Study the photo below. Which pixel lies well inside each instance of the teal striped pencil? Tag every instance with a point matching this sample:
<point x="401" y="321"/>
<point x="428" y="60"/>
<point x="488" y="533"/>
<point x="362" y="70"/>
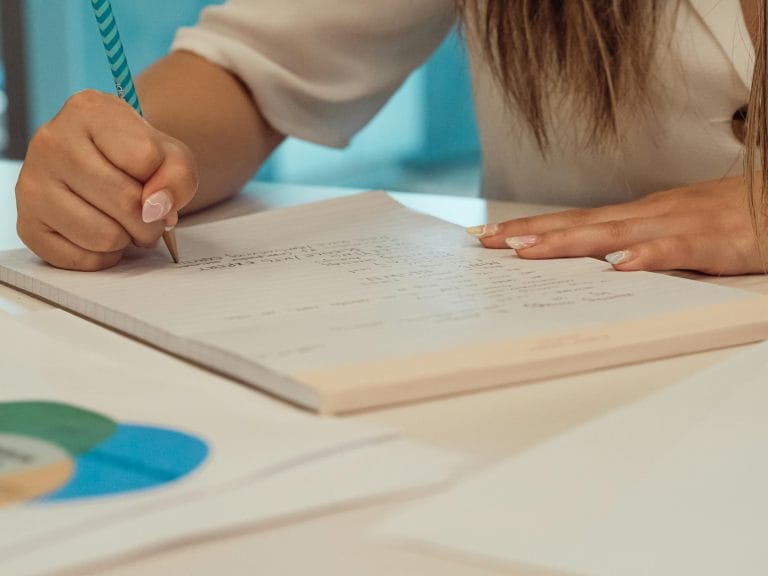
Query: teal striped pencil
<point x="121" y="74"/>
<point x="118" y="63"/>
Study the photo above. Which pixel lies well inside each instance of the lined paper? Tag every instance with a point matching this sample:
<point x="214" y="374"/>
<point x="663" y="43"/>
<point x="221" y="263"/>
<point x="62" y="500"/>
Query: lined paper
<point x="344" y="282"/>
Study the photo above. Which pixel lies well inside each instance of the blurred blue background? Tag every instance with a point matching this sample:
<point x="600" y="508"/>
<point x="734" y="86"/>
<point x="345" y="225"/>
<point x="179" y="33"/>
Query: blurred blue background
<point x="423" y="140"/>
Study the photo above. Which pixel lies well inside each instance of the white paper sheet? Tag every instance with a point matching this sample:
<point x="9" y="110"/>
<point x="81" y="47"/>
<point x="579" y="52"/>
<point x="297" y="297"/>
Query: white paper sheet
<point x="270" y="461"/>
<point x="248" y="435"/>
<point x="674" y="484"/>
<point x="353" y="477"/>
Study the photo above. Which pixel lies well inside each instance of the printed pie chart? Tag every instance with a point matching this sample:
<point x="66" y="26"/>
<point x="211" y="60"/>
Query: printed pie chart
<point x="54" y="452"/>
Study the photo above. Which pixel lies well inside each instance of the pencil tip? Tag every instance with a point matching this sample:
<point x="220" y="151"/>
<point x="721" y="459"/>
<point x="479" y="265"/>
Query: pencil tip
<point x="169" y="238"/>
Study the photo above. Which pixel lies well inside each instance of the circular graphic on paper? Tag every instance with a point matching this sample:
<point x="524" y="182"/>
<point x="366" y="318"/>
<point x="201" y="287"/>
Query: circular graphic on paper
<point x="52" y="452"/>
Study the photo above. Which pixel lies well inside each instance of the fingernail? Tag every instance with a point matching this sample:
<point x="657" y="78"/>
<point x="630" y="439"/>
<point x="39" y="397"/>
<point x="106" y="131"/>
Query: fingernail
<point x="156" y="207"/>
<point x="618" y="257"/>
<point x="483" y="231"/>
<point x="520" y="242"/>
<point x="171" y="221"/>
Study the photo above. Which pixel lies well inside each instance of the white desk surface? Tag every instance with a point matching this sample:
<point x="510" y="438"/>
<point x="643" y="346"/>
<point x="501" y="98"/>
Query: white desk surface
<point x="491" y="424"/>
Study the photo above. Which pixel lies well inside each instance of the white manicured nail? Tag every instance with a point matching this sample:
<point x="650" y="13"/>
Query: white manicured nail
<point x="618" y="257"/>
<point x="483" y="231"/>
<point x="156" y="207"/>
<point x="171" y="221"/>
<point x="520" y="242"/>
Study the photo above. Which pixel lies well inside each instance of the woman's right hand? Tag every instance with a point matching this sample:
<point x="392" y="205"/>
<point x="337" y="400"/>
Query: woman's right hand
<point x="97" y="178"/>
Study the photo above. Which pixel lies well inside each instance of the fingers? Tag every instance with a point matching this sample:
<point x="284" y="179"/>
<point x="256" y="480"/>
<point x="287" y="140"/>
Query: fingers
<point x="62" y="253"/>
<point x="104" y="187"/>
<point x="82" y="224"/>
<point x="681" y="253"/>
<point x="171" y="187"/>
<point x="495" y="235"/>
<point x="706" y="227"/>
<point x="126" y="140"/>
<point x="642" y="244"/>
<point x="594" y="240"/>
<point x="140" y="152"/>
<point x="97" y="178"/>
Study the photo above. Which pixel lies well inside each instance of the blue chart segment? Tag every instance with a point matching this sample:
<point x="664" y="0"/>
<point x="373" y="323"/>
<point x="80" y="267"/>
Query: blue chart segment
<point x="53" y="452"/>
<point x="135" y="458"/>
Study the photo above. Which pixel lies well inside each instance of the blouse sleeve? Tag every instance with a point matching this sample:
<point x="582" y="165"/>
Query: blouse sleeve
<point x="319" y="70"/>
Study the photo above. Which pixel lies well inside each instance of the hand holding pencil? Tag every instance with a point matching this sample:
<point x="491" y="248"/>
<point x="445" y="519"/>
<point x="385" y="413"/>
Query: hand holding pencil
<point x="98" y="178"/>
<point x="160" y="204"/>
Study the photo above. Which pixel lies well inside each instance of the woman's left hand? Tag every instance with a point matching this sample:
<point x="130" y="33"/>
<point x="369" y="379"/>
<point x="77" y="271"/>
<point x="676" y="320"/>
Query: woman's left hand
<point x="706" y="227"/>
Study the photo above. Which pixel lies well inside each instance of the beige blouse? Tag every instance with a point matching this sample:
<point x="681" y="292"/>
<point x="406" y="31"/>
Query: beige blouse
<point x="320" y="69"/>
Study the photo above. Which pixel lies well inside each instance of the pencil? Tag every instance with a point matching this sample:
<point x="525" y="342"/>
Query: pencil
<point x="121" y="74"/>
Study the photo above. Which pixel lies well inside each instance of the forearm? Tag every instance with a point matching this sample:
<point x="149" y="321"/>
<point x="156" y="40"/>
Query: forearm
<point x="208" y="109"/>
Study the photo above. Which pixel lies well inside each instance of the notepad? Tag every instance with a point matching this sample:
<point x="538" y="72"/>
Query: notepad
<point x="360" y="302"/>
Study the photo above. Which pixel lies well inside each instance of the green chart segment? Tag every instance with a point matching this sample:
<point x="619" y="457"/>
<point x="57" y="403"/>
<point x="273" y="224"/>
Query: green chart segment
<point x="51" y="452"/>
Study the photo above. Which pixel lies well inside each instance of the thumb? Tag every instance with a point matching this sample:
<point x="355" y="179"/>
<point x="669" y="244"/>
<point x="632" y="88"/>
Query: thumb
<point x="171" y="187"/>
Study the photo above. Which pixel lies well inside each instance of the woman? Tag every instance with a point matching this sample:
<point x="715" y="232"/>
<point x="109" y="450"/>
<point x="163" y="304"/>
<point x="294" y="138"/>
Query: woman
<point x="624" y="104"/>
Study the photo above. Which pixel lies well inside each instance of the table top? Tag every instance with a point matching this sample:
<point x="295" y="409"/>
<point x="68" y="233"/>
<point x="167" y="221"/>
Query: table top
<point x="490" y="424"/>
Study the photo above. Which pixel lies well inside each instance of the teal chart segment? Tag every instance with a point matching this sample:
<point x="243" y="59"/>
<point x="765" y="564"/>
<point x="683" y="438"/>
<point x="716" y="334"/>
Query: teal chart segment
<point x="134" y="458"/>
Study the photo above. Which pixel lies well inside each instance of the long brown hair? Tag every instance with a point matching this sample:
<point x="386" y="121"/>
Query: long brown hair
<point x="601" y="53"/>
<point x="756" y="155"/>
